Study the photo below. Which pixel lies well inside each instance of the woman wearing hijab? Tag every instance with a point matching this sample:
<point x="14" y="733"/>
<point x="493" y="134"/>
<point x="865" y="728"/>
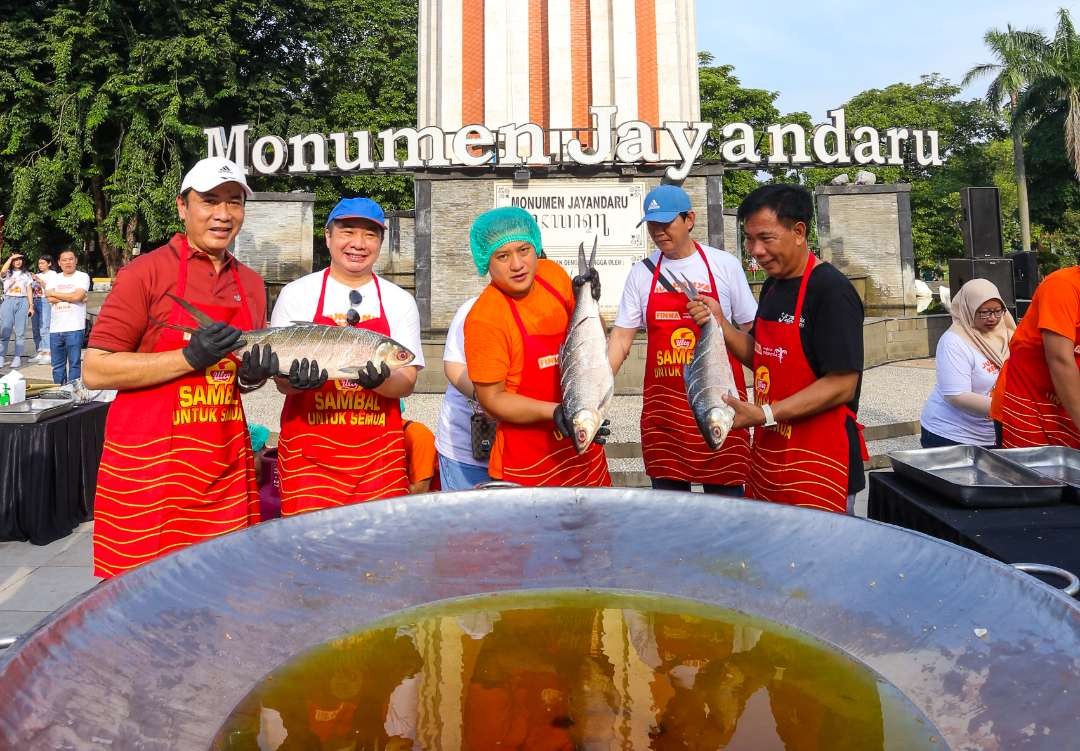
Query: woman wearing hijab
<point x="969" y="357"/>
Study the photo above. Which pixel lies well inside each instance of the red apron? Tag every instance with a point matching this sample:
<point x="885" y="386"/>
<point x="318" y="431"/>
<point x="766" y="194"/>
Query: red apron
<point x="802" y="463"/>
<point x="1031" y="413"/>
<point x="340" y="443"/>
<point x="671" y="442"/>
<point x="536" y="454"/>
<point x="177" y="466"/>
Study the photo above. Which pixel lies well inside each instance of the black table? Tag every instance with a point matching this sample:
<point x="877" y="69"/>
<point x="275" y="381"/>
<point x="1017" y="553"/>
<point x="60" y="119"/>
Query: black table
<point x="48" y="473"/>
<point x="1035" y="534"/>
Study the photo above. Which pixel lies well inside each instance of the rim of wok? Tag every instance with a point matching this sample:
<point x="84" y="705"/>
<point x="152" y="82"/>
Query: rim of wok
<point x="159" y="657"/>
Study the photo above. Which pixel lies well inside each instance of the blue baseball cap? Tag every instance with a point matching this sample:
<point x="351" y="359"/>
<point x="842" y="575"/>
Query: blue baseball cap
<point x="664" y="203"/>
<point x="357" y="208"/>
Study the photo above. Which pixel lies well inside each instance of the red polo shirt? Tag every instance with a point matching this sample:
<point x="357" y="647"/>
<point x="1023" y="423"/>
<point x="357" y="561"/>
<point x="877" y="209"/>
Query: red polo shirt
<point x="138" y="295"/>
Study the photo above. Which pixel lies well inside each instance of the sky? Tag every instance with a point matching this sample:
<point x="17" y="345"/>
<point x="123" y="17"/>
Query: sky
<point x="820" y="54"/>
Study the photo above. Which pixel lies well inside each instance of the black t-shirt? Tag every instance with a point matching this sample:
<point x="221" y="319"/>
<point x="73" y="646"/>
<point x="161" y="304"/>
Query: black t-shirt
<point x="831" y="333"/>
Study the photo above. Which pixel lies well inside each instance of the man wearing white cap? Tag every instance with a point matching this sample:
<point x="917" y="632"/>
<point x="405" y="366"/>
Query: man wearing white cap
<point x="177" y="466"/>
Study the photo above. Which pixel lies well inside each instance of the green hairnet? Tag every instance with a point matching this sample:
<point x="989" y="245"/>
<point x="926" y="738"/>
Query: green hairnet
<point x="494" y="229"/>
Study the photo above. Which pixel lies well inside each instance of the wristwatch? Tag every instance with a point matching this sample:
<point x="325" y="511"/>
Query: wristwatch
<point x="769" y="419"/>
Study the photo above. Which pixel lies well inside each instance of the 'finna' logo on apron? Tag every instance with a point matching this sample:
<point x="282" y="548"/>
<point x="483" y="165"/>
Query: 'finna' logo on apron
<point x="667" y="315"/>
<point x="221" y="372"/>
<point x="549" y="361"/>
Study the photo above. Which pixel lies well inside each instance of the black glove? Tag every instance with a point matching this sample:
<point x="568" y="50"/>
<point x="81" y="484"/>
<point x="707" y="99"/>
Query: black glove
<point x="304" y="375"/>
<point x="211" y="343"/>
<point x="564" y="426"/>
<point x="593" y="278"/>
<point x="371" y="378"/>
<point x="257" y="365"/>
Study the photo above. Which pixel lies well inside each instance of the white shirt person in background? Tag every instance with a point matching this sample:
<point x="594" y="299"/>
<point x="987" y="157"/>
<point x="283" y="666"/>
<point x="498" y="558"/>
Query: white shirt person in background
<point x="66" y="293"/>
<point x="969" y="357"/>
<point x="42" y="309"/>
<point x="458" y="467"/>
<point x="16" y="307"/>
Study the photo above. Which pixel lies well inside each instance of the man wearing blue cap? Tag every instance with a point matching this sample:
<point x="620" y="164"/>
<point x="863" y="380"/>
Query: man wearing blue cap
<point x="341" y="441"/>
<point x="674" y="451"/>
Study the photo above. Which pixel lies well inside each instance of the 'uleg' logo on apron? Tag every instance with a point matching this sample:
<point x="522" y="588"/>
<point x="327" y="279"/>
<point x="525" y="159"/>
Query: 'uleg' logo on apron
<point x="762" y="383"/>
<point x="347" y="384"/>
<point x="221" y="372"/>
<point x="683" y="338"/>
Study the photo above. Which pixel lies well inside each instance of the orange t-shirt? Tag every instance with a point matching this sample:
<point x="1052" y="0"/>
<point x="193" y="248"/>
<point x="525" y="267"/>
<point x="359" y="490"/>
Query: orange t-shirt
<point x="494" y="349"/>
<point x="421" y="462"/>
<point x="1055" y="307"/>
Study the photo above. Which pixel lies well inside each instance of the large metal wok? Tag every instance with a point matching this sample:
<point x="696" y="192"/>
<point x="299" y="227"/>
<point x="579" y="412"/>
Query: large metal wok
<point x="157" y="659"/>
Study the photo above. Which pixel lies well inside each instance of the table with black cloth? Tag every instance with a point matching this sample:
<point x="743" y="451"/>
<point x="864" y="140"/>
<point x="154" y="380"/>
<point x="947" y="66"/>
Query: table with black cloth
<point x="1030" y="534"/>
<point x="48" y="473"/>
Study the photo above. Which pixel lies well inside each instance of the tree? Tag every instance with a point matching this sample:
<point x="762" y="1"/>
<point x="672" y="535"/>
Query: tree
<point x="96" y="134"/>
<point x="1018" y="55"/>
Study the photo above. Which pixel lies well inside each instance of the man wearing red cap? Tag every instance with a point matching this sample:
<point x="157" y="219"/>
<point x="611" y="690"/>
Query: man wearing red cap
<point x="342" y="441"/>
<point x="177" y="467"/>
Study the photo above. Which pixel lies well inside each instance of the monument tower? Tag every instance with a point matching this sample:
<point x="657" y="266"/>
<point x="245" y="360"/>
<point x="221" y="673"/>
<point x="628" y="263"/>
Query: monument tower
<point x="501" y="62"/>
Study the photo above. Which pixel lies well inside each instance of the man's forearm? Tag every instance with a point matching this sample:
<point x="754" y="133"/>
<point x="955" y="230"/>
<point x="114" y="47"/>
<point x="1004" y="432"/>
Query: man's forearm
<point x="513" y="408"/>
<point x="400" y="383"/>
<point x="1066" y="379"/>
<point x="76" y="296"/>
<point x="825" y="393"/>
<point x="132" y="370"/>
<point x="620" y="341"/>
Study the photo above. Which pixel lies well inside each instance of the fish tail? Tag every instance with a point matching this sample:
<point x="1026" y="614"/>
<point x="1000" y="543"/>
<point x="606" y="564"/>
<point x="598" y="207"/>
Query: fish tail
<point x="198" y="315"/>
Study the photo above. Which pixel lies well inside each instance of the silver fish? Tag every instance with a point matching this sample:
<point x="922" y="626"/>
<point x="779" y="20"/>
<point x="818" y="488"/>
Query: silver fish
<point x="585" y="373"/>
<point x="341" y="350"/>
<point x="708" y="377"/>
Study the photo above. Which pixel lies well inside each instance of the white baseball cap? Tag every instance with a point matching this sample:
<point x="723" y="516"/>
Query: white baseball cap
<point x="211" y="172"/>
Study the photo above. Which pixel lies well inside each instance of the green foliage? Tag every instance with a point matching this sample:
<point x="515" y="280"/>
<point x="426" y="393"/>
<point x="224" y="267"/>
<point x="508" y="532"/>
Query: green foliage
<point x="96" y="133"/>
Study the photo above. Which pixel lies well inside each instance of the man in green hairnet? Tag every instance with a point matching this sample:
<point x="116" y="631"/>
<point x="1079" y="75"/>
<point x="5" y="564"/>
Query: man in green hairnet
<point x="512" y="338"/>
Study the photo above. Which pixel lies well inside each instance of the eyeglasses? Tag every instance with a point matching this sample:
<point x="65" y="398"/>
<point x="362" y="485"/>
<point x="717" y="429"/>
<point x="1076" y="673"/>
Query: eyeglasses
<point x="353" y="316"/>
<point x="986" y="315"/>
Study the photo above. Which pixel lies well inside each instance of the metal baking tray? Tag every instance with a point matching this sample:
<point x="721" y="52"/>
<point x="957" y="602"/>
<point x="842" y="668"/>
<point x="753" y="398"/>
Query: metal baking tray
<point x="1056" y="462"/>
<point x="977" y="478"/>
<point x="34" y="410"/>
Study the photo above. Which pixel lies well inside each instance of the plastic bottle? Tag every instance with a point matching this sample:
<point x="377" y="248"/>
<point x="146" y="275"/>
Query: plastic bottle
<point x="5" y="397"/>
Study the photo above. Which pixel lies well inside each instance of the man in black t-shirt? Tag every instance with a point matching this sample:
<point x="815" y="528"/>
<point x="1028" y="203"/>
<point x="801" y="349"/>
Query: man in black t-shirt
<point x="807" y="372"/>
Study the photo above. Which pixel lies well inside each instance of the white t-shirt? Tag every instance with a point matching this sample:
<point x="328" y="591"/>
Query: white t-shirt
<point x="67" y="316"/>
<point x="298" y="301"/>
<point x="16" y="283"/>
<point x="44" y="276"/>
<point x="961" y="369"/>
<point x="736" y="299"/>
<point x="453" y="434"/>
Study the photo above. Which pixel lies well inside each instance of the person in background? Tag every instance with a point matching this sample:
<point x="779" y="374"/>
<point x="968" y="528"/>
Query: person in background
<point x="675" y="453"/>
<point x="421" y="460"/>
<point x="459" y="469"/>
<point x="806" y="352"/>
<point x="512" y="339"/>
<point x="42" y="309"/>
<point x="66" y="293"/>
<point x="16" y="307"/>
<point x="969" y="357"/>
<point x="1037" y="397"/>
<point x="341" y="440"/>
<point x="177" y="466"/>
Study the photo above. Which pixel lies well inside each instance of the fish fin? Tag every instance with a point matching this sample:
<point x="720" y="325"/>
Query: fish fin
<point x="352" y="371"/>
<point x="582" y="267"/>
<point x="303" y="323"/>
<point x="688" y="288"/>
<point x="167" y="325"/>
<point x="592" y="256"/>
<point x="198" y="315"/>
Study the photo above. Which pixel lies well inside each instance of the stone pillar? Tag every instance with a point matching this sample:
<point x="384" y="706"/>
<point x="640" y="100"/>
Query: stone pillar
<point x="276" y="239"/>
<point x="865" y="230"/>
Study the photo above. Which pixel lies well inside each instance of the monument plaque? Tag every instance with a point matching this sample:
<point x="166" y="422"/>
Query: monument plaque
<point x="570" y="213"/>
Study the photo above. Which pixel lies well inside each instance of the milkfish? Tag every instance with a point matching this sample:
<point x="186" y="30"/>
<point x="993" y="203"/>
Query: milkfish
<point x="585" y="373"/>
<point x="707" y="378"/>
<point x="341" y="350"/>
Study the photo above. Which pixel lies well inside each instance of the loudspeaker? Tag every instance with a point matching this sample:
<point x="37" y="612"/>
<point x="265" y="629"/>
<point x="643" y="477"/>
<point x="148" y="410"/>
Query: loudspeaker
<point x="1025" y="273"/>
<point x="997" y="270"/>
<point x="980" y="222"/>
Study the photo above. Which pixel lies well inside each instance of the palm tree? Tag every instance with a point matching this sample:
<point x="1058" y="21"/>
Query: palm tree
<point x="1019" y="56"/>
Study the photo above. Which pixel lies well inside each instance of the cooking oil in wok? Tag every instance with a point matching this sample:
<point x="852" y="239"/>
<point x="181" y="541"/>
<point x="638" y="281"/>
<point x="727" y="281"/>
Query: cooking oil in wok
<point x="565" y="670"/>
